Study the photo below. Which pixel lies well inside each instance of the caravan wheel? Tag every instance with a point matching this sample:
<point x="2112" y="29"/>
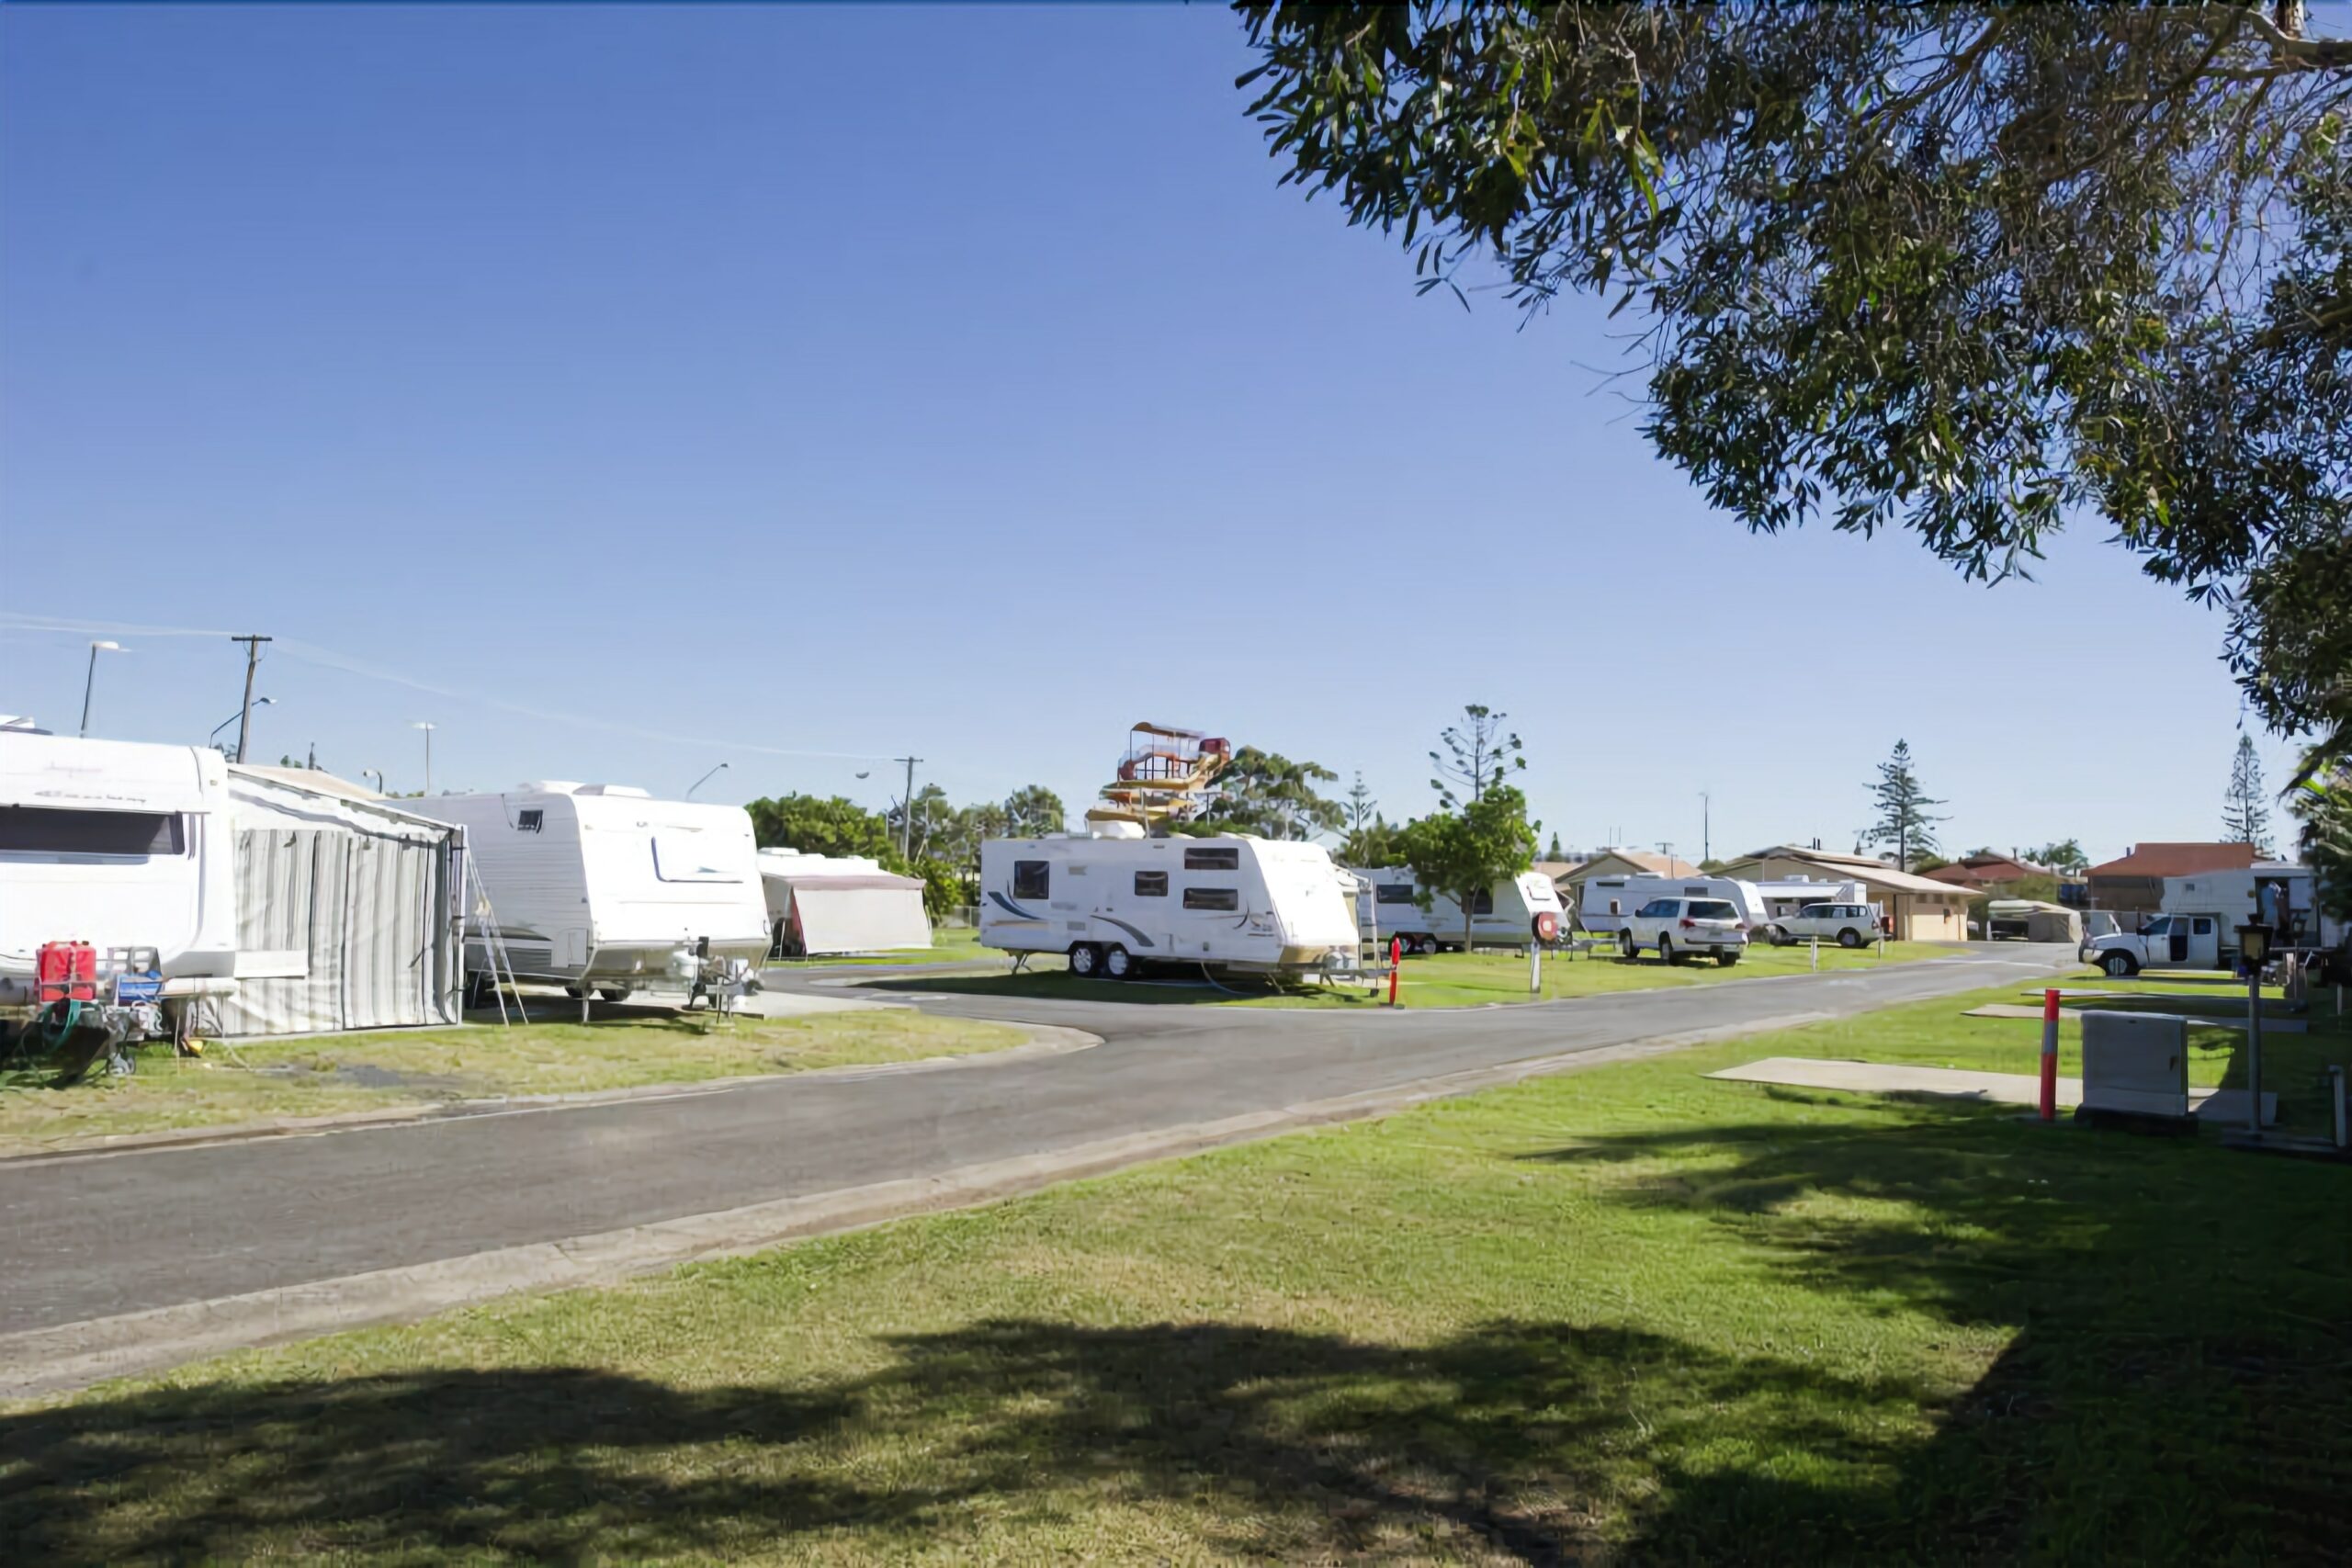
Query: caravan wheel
<point x="1084" y="959"/>
<point x="1118" y="964"/>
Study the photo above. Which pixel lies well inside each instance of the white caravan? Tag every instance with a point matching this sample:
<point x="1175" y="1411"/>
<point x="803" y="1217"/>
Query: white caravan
<point x="274" y="900"/>
<point x="1506" y="915"/>
<point x="1116" y="902"/>
<point x="115" y="844"/>
<point x="601" y="887"/>
<point x="830" y="904"/>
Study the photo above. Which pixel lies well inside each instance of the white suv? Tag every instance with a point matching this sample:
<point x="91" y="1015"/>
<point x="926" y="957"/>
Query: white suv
<point x="1678" y="928"/>
<point x="1847" y="925"/>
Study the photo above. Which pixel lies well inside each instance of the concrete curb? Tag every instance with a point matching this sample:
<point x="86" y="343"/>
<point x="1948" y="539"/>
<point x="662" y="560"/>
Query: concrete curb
<point x="70" y="1356"/>
<point x="1046" y="1040"/>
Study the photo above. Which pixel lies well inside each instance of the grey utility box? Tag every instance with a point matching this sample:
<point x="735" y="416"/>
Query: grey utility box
<point x="2135" y="1063"/>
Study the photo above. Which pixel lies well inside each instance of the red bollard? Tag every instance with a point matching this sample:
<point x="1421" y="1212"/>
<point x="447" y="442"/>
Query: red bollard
<point x="2050" y="1056"/>
<point x="1395" y="963"/>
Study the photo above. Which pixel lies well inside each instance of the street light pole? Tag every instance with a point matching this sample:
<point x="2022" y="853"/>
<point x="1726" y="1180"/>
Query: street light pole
<point x="91" y="679"/>
<point x="253" y="641"/>
<point x="427" y="727"/>
<point x="239" y="716"/>
<point x="1706" y="827"/>
<point x="704" y="780"/>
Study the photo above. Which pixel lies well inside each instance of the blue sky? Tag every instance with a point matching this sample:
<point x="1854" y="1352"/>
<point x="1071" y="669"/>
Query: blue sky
<point x="631" y="392"/>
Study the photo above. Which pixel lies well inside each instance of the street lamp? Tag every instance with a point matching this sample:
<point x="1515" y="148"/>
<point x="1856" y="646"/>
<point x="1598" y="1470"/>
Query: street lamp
<point x="258" y="702"/>
<point x="704" y="780"/>
<point x="2254" y="952"/>
<point x="90" y="680"/>
<point x="426" y="725"/>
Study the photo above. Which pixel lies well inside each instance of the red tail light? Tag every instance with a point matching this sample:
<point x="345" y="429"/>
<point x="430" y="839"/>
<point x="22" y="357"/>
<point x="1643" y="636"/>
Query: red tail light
<point x="1689" y="924"/>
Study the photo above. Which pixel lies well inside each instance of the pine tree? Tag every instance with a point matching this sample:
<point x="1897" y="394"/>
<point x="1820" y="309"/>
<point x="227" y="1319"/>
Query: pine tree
<point x="1362" y="807"/>
<point x="2246" y="816"/>
<point x="1554" y="853"/>
<point x="1904" y="821"/>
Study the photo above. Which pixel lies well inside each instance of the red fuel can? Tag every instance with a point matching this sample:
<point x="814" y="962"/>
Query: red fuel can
<point x="67" y="971"/>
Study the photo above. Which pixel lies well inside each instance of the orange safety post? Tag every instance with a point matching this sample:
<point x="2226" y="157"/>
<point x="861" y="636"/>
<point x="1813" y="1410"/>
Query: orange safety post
<point x="1395" y="963"/>
<point x="2050" y="1056"/>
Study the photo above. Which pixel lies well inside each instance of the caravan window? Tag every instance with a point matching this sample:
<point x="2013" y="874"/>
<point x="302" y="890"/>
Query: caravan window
<point x="1215" y="857"/>
<point x="1032" y="879"/>
<point x="42" y="830"/>
<point x="528" y="820"/>
<point x="1151" y="885"/>
<point x="683" y="857"/>
<point x="1394" y="893"/>
<point x="1212" y="898"/>
<point x="1483" y="901"/>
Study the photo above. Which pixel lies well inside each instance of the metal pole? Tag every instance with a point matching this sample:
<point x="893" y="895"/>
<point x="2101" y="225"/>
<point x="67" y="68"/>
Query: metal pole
<point x="88" y="681"/>
<point x="2050" y="1056"/>
<point x="2253" y="1049"/>
<point x="253" y="641"/>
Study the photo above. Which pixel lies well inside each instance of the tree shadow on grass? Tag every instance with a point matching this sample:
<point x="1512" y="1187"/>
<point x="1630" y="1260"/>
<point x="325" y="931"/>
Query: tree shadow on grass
<point x="1508" y="1443"/>
<point x="2177" y="1368"/>
<point x="2182" y="1359"/>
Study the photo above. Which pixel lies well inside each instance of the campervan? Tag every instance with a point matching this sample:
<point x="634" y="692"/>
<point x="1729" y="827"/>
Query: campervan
<point x="120" y="845"/>
<point x="1116" y="902"/>
<point x="601" y="887"/>
<point x="834" y="903"/>
<point x="1508" y="914"/>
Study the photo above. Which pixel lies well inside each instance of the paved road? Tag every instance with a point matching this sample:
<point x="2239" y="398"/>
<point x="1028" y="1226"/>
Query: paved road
<point x="83" y="1238"/>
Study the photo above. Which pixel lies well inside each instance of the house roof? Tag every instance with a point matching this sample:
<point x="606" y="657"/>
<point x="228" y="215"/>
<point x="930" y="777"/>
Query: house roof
<point x="1986" y="868"/>
<point x="1646" y="860"/>
<point x="1854" y="868"/>
<point x="1557" y="869"/>
<point x="2178" y="860"/>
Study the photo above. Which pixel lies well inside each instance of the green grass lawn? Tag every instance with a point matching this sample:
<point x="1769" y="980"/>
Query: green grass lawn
<point x="1632" y="1314"/>
<point x="256" y="1080"/>
<point x="1444" y="979"/>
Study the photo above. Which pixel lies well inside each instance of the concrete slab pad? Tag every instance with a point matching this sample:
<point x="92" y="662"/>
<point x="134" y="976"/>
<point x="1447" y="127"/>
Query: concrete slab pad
<point x="2197" y="1020"/>
<point x="1883" y="1078"/>
<point x="1998" y="1089"/>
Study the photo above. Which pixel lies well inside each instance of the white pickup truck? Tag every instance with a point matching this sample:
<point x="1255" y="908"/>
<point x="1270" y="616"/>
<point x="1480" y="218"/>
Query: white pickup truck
<point x="2169" y="941"/>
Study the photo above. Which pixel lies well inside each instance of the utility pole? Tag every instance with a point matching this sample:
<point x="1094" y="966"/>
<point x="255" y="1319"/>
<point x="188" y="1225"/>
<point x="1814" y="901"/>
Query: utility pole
<point x="1706" y="827"/>
<point x="253" y="641"/>
<point x="1665" y="848"/>
<point x="907" y="812"/>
